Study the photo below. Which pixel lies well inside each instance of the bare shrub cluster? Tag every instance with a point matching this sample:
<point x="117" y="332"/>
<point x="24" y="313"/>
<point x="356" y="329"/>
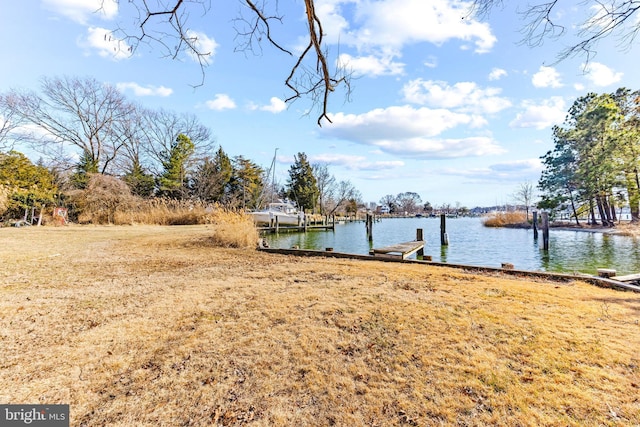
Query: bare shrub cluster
<point x="108" y="200"/>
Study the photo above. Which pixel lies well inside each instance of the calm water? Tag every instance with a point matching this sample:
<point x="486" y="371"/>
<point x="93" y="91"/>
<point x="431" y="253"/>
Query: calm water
<point x="472" y="243"/>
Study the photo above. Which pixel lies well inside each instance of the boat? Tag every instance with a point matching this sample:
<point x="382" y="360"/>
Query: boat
<point x="283" y="212"/>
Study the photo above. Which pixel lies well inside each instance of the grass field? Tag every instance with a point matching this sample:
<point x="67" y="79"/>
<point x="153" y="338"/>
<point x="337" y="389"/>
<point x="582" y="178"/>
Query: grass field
<point x="156" y="326"/>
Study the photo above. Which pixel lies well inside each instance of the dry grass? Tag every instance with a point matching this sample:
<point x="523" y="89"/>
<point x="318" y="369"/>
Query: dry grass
<point x="505" y="219"/>
<point x="153" y="326"/>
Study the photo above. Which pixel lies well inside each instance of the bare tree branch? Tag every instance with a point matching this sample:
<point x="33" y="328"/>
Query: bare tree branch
<point x="606" y="18"/>
<point x="159" y="22"/>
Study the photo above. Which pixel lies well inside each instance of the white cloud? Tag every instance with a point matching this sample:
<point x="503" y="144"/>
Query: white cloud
<point x="546" y="77"/>
<point x="601" y="75"/>
<point x="431" y="62"/>
<point x="221" y="102"/>
<point x="549" y="112"/>
<point x="462" y="96"/>
<point x="497" y="74"/>
<point x="107" y="46"/>
<point x="383" y="28"/>
<point x="377" y="166"/>
<point x="148" y="90"/>
<point x="333" y="23"/>
<point x="511" y="171"/>
<point x="275" y="106"/>
<point x="370" y="65"/>
<point x="408" y="131"/>
<point x="579" y="87"/>
<point x="203" y="44"/>
<point x="81" y="10"/>
<point x="442" y="148"/>
<point x="336" y="159"/>
<point x="396" y="23"/>
<point x="355" y="162"/>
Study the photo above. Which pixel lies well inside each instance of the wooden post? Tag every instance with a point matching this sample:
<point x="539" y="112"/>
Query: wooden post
<point x="277" y="224"/>
<point x="444" y="239"/>
<point x="419" y="237"/>
<point x="545" y="230"/>
<point x="369" y="225"/>
<point x="606" y="272"/>
<point x="535" y="225"/>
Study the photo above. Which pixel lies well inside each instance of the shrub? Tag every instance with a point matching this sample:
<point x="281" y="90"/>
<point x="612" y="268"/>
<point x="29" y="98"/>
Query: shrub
<point x="101" y="200"/>
<point x="234" y="229"/>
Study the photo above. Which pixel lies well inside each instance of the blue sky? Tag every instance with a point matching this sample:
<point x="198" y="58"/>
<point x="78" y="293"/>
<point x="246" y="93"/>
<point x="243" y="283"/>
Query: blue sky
<point x="456" y="110"/>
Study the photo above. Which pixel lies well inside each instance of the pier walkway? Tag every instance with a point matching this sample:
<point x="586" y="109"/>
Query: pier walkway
<point x="401" y="250"/>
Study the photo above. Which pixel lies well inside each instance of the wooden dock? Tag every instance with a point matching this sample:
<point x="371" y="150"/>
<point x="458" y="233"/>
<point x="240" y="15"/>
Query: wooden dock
<point x="294" y="228"/>
<point x="400" y="250"/>
<point x="629" y="278"/>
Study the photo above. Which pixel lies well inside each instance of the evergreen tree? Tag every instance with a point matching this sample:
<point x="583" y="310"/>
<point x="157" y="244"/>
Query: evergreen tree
<point x="139" y="181"/>
<point x="559" y="180"/>
<point x="595" y="157"/>
<point x="172" y="182"/>
<point x="26" y="185"/>
<point x="247" y="183"/>
<point x="629" y="104"/>
<point x="302" y="186"/>
<point x="213" y="177"/>
<point x="87" y="165"/>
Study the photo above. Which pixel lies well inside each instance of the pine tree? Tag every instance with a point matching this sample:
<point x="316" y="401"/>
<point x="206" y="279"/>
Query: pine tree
<point x="302" y="186"/>
<point x="213" y="177"/>
<point x="247" y="183"/>
<point x="87" y="165"/>
<point x="173" y="179"/>
<point x="140" y="182"/>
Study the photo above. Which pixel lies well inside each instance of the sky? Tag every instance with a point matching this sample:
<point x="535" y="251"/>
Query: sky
<point x="444" y="104"/>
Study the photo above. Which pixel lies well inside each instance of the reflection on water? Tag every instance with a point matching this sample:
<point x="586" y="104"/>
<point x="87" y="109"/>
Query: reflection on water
<point x="472" y="243"/>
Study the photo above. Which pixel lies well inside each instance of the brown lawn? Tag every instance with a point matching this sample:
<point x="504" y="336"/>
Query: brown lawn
<point x="154" y="326"/>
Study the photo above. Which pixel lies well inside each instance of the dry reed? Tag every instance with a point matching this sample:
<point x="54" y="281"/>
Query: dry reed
<point x="505" y="219"/>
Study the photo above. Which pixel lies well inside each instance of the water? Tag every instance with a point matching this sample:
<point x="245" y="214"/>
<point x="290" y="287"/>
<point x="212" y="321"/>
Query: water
<point x="473" y="244"/>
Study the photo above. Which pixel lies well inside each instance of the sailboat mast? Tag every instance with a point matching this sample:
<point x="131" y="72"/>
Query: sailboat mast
<point x="273" y="172"/>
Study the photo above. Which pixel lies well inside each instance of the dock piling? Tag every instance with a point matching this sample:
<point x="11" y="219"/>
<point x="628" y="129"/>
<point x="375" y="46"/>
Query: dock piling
<point x="444" y="239"/>
<point x="545" y="231"/>
<point x="420" y="237"/>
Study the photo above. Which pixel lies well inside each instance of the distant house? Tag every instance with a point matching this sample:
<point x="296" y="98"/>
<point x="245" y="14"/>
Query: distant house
<point x="383" y="209"/>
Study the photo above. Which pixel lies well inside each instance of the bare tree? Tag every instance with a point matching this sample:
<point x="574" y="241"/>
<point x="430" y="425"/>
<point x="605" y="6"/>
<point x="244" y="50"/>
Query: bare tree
<point x="9" y="123"/>
<point x="159" y="130"/>
<point x="326" y="185"/>
<point x="524" y="195"/>
<point x="408" y="202"/>
<point x="604" y="18"/>
<point x="390" y="201"/>
<point x="345" y="192"/>
<point x="166" y="24"/>
<point x="72" y="113"/>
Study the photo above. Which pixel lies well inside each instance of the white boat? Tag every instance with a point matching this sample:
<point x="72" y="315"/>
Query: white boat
<point x="285" y="212"/>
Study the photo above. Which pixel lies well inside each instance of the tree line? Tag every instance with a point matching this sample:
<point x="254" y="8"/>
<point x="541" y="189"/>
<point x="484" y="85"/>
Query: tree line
<point x="87" y="128"/>
<point x="593" y="167"/>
